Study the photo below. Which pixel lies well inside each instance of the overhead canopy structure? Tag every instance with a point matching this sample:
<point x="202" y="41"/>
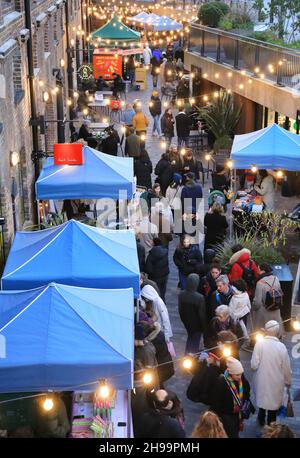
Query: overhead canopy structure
<point x="163" y="23"/>
<point x="141" y="17"/>
<point x="270" y="148"/>
<point x="73" y="254"/>
<point x="100" y="176"/>
<point x="116" y="30"/>
<point x="59" y="337"/>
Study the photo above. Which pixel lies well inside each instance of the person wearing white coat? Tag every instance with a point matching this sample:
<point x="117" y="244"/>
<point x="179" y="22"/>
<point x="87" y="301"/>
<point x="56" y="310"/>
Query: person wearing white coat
<point x="240" y="305"/>
<point x="148" y="293"/>
<point x="272" y="372"/>
<point x="266" y="190"/>
<point x="147" y="54"/>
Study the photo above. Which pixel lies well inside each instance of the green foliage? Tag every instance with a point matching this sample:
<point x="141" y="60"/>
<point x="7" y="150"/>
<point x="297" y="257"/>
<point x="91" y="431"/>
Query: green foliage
<point x="259" y="252"/>
<point x="211" y="13"/>
<point x="237" y="20"/>
<point x="224" y="142"/>
<point x="271" y="37"/>
<point x="221" y="117"/>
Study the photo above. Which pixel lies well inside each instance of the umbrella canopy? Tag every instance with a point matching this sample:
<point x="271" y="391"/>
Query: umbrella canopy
<point x="100" y="176"/>
<point x="270" y="148"/>
<point x="59" y="337"/>
<point x="73" y="254"/>
<point x="116" y="30"/>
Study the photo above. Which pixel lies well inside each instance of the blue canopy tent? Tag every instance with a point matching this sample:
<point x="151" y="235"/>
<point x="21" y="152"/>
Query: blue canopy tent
<point x="59" y="337"/>
<point x="164" y="23"/>
<point x="270" y="148"/>
<point x="141" y="17"/>
<point x="73" y="254"/>
<point x="100" y="176"/>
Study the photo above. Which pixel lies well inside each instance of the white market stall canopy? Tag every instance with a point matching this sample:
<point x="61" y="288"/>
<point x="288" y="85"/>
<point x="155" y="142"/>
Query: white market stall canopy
<point x="270" y="148"/>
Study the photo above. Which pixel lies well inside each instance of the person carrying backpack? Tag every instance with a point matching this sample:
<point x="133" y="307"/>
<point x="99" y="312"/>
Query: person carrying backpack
<point x="242" y="266"/>
<point x="268" y="298"/>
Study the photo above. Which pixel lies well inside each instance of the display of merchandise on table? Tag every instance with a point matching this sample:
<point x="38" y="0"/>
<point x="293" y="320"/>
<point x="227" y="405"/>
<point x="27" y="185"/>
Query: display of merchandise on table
<point x="97" y="418"/>
<point x="249" y="202"/>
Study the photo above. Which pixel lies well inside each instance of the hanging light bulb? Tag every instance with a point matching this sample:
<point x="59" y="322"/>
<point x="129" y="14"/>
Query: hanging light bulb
<point x="69" y="102"/>
<point x="216" y="95"/>
<point x="230" y="164"/>
<point x="166" y="104"/>
<point x="217" y="75"/>
<point x="104" y="390"/>
<point x="104" y="120"/>
<point x="279" y="174"/>
<point x="187" y="363"/>
<point x="205" y="75"/>
<point x="147" y="378"/>
<point x="296" y="324"/>
<point x="85" y="111"/>
<point x="41" y="83"/>
<point x="254" y="169"/>
<point x="183" y="151"/>
<point x="91" y="98"/>
<point x="205" y="98"/>
<point x="207" y="157"/>
<point x="259" y="337"/>
<point x="48" y="404"/>
<point x="192" y="101"/>
<point x="62" y="62"/>
<point x="143" y="137"/>
<point x="227" y="352"/>
<point x="163" y="145"/>
<point x="76" y="94"/>
<point x="241" y="86"/>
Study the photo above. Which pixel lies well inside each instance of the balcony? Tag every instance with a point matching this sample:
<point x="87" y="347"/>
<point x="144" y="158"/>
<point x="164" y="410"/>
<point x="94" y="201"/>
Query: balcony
<point x="273" y="63"/>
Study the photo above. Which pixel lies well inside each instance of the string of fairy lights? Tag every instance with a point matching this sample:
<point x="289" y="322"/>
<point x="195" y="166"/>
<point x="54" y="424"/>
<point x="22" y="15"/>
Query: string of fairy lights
<point x="148" y="375"/>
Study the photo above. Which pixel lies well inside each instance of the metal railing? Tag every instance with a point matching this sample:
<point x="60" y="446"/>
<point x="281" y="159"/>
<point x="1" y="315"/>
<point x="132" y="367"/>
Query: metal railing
<point x="272" y="62"/>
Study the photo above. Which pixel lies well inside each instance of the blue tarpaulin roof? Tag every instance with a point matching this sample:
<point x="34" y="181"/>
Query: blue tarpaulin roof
<point x="73" y="254"/>
<point x="59" y="337"/>
<point x="100" y="176"/>
<point x="270" y="148"/>
<point x="164" y="23"/>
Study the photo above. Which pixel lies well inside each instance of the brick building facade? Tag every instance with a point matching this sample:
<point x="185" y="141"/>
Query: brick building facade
<point x="48" y="18"/>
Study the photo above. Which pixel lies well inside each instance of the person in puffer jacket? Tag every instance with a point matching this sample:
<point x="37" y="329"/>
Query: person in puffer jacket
<point x="240" y="305"/>
<point x="157" y="266"/>
<point x="149" y="295"/>
<point x="239" y="261"/>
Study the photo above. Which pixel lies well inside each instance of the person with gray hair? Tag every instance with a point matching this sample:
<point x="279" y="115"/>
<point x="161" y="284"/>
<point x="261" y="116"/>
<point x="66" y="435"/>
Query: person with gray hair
<point x="222" y="296"/>
<point x="223" y="322"/>
<point x="272" y="372"/>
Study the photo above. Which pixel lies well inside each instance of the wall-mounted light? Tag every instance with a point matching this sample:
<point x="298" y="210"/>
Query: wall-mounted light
<point x="14" y="158"/>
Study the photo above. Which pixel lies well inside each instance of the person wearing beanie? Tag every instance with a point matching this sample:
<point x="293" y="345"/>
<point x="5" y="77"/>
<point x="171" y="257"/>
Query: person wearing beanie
<point x="231" y="391"/>
<point x="272" y="372"/>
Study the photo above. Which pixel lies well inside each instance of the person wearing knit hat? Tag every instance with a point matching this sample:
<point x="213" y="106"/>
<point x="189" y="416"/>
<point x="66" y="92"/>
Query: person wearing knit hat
<point x="272" y="372"/>
<point x="234" y="366"/>
<point x="230" y="393"/>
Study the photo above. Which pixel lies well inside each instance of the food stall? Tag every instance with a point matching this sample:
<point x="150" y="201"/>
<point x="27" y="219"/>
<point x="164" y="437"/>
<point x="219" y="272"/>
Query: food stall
<point x="83" y="340"/>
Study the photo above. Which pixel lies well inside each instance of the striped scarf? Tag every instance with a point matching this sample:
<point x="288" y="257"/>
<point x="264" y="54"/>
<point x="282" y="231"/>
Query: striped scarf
<point x="238" y="397"/>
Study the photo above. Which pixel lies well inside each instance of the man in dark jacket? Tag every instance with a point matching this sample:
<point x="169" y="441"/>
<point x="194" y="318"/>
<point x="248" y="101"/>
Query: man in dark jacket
<point x="164" y="172"/>
<point x="222" y="296"/>
<point x="155" y="111"/>
<point x="157" y="266"/>
<point x="191" y="196"/>
<point x="141" y="253"/>
<point x="110" y="144"/>
<point x="142" y="167"/>
<point x="84" y="132"/>
<point x="132" y="144"/>
<point x="157" y="422"/>
<point x="190" y="165"/>
<point x="183" y="127"/>
<point x="191" y="306"/>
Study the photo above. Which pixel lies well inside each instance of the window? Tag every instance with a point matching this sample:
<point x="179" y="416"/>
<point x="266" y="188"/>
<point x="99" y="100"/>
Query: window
<point x="17" y="77"/>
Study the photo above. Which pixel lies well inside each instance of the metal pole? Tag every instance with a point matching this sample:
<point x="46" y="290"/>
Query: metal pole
<point x="128" y="413"/>
<point x="60" y="112"/>
<point x="70" y="69"/>
<point x="35" y="139"/>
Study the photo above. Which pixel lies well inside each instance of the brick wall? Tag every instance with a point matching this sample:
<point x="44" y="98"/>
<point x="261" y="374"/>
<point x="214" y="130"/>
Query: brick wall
<point x="17" y="134"/>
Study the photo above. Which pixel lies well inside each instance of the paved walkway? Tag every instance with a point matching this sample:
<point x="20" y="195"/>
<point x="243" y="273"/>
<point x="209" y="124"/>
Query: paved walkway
<point x="180" y="380"/>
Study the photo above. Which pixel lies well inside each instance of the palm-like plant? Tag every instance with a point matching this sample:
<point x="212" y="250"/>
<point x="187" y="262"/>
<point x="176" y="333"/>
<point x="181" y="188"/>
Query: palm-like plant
<point x="221" y="117"/>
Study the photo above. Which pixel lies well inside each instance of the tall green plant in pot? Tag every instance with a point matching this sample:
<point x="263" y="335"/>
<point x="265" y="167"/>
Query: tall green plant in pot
<point x="221" y="117"/>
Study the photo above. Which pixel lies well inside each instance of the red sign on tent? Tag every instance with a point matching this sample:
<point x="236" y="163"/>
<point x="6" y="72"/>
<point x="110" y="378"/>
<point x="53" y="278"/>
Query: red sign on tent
<point x="106" y="65"/>
<point x="68" y="154"/>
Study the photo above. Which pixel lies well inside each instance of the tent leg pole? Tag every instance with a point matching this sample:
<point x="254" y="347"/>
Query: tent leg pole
<point x="128" y="414"/>
<point x="38" y="213"/>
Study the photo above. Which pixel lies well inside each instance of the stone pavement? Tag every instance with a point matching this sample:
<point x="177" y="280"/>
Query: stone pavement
<point x="180" y="380"/>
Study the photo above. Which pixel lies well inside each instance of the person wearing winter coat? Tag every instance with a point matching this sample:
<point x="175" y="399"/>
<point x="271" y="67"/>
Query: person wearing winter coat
<point x="192" y="192"/>
<point x="155" y="111"/>
<point x="155" y="70"/>
<point x="231" y="390"/>
<point x="144" y="281"/>
<point x="157" y="266"/>
<point x="167" y="126"/>
<point x="162" y="72"/>
<point x="191" y="307"/>
<point x="110" y="144"/>
<point x="164" y="172"/>
<point x="173" y="193"/>
<point x="272" y="372"/>
<point x="148" y="232"/>
<point x="147" y="54"/>
<point x="162" y="217"/>
<point x="190" y="164"/>
<point x="221" y="296"/>
<point x="141" y="252"/>
<point x="159" y="422"/>
<point x="241" y="266"/>
<point x="183" y="127"/>
<point x="149" y="295"/>
<point x="132" y="144"/>
<point x="224" y="322"/>
<point x="140" y="122"/>
<point x="205" y="376"/>
<point x="142" y="167"/>
<point x="240" y="305"/>
<point x="266" y="190"/>
<point x="127" y="116"/>
<point x="216" y="226"/>
<point x="267" y="280"/>
<point x="207" y="285"/>
<point x="187" y="258"/>
<point x="154" y="334"/>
